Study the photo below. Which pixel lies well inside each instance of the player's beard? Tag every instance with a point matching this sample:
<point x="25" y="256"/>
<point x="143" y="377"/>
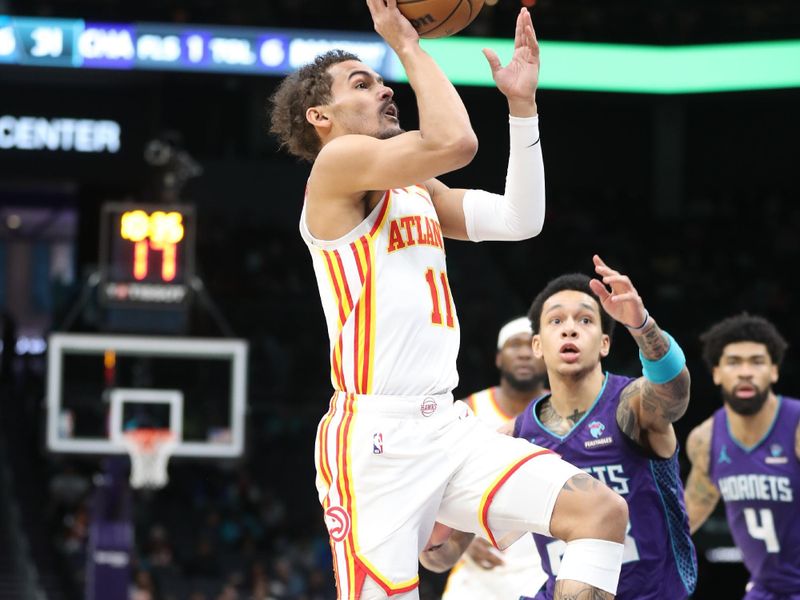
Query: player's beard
<point x="745" y="406"/>
<point x="528" y="384"/>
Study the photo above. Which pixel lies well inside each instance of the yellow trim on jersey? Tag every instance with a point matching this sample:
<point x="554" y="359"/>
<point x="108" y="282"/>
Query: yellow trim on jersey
<point x="331" y="264"/>
<point x="363" y="308"/>
<point x="496" y="405"/>
<point x="370" y="359"/>
<point x="324" y="467"/>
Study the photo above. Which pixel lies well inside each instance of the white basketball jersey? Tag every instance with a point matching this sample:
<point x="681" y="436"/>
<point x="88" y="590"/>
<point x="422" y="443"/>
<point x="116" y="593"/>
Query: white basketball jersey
<point x="484" y="405"/>
<point x="391" y="319"/>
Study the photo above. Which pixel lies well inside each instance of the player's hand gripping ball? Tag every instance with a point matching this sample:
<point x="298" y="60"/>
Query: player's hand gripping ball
<point x="439" y="18"/>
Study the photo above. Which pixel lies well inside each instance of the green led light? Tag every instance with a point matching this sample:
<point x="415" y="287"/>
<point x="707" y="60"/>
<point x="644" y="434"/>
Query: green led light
<point x="629" y="68"/>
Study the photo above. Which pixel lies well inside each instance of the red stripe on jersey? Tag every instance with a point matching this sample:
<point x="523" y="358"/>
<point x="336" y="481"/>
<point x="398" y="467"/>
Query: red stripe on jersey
<point x="336" y="289"/>
<point x="358" y="262"/>
<point x="381" y="214"/>
<point x="484" y="513"/>
<point x="344" y="280"/>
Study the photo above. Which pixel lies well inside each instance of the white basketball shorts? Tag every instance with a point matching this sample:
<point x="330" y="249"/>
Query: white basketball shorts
<point x="389" y="466"/>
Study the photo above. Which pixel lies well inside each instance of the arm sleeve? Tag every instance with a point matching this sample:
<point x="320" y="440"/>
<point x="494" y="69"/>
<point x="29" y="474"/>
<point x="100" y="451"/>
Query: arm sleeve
<point x="519" y="213"/>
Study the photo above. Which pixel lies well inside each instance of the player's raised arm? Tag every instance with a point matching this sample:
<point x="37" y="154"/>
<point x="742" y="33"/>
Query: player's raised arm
<point x="701" y="495"/>
<point x="380" y="155"/>
<point x="518" y="214"/>
<point x="651" y="404"/>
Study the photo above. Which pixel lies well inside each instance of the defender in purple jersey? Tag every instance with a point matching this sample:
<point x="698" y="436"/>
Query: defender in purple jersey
<point x="748" y="453"/>
<point x="618" y="429"/>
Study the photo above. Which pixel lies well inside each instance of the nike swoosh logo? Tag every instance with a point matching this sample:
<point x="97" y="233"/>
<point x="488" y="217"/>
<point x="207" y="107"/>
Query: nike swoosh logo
<point x="534" y="143"/>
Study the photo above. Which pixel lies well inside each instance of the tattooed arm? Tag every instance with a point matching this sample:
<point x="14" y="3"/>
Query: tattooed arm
<point x="646" y="410"/>
<point x="701" y="494"/>
<point x="572" y="590"/>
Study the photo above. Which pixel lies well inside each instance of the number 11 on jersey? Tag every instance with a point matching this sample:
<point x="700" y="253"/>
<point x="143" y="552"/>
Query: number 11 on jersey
<point x="436" y="311"/>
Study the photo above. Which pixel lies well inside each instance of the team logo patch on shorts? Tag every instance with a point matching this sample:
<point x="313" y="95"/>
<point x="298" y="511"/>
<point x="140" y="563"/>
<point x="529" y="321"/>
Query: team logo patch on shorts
<point x="428" y="407"/>
<point x="338" y="523"/>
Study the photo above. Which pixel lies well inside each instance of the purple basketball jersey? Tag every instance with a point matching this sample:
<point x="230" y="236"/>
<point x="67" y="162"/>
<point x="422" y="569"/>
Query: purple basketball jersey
<point x="760" y="487"/>
<point x="659" y="559"/>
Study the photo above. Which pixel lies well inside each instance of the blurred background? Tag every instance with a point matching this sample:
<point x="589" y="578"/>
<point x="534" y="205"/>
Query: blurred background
<point x="692" y="195"/>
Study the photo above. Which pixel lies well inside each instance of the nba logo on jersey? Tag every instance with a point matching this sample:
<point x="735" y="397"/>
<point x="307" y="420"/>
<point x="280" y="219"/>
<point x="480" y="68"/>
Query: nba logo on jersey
<point x="428" y="407"/>
<point x="377" y="443"/>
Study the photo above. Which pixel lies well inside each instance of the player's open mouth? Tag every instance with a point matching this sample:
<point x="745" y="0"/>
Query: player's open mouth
<point x="569" y="353"/>
<point x="745" y="391"/>
<point x="391" y="111"/>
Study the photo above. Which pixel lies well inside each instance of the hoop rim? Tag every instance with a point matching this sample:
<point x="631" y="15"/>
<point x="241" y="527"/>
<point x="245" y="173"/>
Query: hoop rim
<point x="145" y="438"/>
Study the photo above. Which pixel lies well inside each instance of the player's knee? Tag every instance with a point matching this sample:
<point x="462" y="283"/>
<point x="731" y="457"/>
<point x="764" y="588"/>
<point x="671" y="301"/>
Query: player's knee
<point x="586" y="508"/>
<point x="612" y="520"/>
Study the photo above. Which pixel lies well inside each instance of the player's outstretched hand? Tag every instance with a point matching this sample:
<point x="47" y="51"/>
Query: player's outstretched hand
<point x="391" y="25"/>
<point x="622" y="302"/>
<point x="518" y="79"/>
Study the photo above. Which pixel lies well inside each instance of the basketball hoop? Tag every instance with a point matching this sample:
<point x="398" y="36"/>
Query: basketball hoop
<point x="149" y="450"/>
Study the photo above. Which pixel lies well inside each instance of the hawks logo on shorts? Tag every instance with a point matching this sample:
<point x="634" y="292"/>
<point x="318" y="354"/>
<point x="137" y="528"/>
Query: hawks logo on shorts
<point x="338" y="523"/>
<point x="428" y="407"/>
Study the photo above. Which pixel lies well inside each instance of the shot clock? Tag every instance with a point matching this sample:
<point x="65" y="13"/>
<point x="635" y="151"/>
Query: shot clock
<point x="146" y="254"/>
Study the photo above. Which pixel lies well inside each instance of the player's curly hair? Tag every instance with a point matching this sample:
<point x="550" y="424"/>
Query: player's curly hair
<point x="743" y="327"/>
<point x="574" y="282"/>
<point x="308" y="86"/>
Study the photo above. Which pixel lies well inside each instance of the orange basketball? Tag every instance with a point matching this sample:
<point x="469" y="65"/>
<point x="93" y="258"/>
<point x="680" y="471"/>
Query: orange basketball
<point x="439" y="18"/>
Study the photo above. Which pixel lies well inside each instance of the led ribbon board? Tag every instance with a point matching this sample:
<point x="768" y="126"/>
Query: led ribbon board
<point x="74" y="43"/>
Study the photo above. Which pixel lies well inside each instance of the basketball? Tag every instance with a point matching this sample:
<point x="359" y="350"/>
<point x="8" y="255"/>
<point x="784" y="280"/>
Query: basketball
<point x="439" y="18"/>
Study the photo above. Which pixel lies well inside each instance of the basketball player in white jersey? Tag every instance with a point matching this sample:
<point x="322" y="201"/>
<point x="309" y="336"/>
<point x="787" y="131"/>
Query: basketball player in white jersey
<point x="394" y="453"/>
<point x="483" y="572"/>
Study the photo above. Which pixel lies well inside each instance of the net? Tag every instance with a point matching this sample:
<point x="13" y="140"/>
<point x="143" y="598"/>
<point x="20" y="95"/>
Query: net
<point x="149" y="450"/>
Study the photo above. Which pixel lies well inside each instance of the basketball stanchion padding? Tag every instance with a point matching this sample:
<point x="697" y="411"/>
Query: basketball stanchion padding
<point x="149" y="450"/>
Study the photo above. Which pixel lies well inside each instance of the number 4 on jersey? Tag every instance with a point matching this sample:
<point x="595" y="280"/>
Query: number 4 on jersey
<point x="765" y="531"/>
<point x="436" y="312"/>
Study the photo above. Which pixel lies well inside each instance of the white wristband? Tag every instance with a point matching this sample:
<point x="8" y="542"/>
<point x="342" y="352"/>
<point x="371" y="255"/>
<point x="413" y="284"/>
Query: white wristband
<point x="594" y="562"/>
<point x="519" y="213"/>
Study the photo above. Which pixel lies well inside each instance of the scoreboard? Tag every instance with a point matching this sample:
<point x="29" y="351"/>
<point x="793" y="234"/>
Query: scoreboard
<point x="146" y="254"/>
<point x="75" y="43"/>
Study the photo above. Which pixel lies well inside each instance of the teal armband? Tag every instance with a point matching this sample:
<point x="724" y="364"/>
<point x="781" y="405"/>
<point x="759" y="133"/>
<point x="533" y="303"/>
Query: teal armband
<point x="666" y="368"/>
